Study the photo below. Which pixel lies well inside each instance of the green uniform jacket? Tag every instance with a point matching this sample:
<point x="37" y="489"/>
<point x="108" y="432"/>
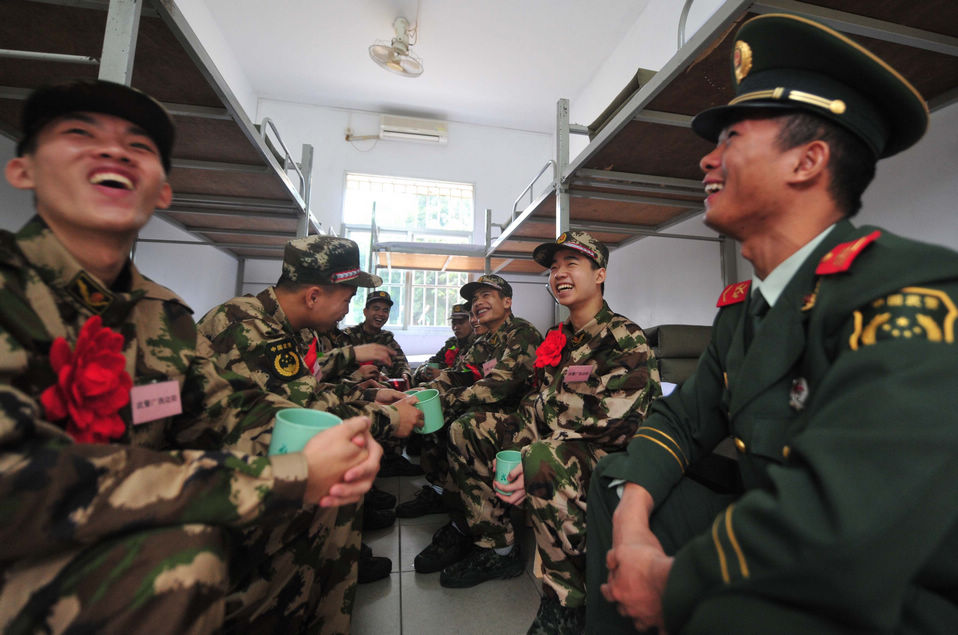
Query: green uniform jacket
<point x="606" y="408"/>
<point x="57" y="494"/>
<point x="844" y="410"/>
<point x="356" y="336"/>
<point x="503" y="359"/>
<point x="252" y="337"/>
<point x="459" y="348"/>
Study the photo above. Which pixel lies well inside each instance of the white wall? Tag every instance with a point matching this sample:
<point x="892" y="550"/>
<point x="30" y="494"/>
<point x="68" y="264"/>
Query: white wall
<point x="203" y="276"/>
<point x="498" y="161"/>
<point x="914" y="193"/>
<point x="208" y="33"/>
<point x="666" y="280"/>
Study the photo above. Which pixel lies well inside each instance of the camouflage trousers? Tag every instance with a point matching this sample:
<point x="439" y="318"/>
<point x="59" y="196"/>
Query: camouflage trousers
<point x="297" y="576"/>
<point x="474" y="440"/>
<point x="557" y="474"/>
<point x="434" y="460"/>
<point x="192" y="579"/>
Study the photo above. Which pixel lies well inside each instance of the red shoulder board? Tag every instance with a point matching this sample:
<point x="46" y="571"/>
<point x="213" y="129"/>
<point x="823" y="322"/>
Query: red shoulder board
<point x="842" y="256"/>
<point x="734" y="293"/>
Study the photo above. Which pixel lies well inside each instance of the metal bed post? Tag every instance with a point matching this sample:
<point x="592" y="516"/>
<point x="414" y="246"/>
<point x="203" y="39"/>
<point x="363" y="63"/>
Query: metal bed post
<point x="488" y="258"/>
<point x="563" y="202"/>
<point x="562" y="162"/>
<point x="240" y="276"/>
<point x="728" y="255"/>
<point x="119" y="40"/>
<point x="306" y="169"/>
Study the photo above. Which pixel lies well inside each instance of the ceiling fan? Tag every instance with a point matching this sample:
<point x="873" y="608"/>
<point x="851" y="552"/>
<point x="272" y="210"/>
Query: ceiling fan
<point x="396" y="57"/>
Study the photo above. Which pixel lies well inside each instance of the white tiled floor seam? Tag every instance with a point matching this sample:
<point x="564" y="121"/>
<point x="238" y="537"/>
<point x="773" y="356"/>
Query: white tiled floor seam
<point x="415" y="604"/>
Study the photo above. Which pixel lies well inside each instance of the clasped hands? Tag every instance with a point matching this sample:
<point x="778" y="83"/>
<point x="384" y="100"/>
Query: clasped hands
<point x="342" y="462"/>
<point x="638" y="566"/>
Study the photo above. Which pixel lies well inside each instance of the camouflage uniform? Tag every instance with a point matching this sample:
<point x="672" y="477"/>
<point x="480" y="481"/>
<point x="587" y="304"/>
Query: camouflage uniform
<point x="252" y="337"/>
<point x="356" y="336"/>
<point x="141" y="530"/>
<point x="482" y="425"/>
<point x="459" y="348"/>
<point x="570" y="426"/>
<point x="335" y="357"/>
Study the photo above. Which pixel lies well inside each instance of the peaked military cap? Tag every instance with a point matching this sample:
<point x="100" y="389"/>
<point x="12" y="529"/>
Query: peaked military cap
<point x="378" y="296"/>
<point x="577" y="241"/>
<point x="791" y="63"/>
<point x="488" y="280"/>
<point x="55" y="100"/>
<point x="459" y="310"/>
<point x="321" y="259"/>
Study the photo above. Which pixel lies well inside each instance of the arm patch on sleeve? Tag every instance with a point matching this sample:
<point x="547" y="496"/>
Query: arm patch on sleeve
<point x="913" y="313"/>
<point x="283" y="359"/>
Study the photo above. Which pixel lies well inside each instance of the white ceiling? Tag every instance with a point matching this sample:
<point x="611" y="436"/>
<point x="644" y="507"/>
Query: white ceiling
<point x="491" y="62"/>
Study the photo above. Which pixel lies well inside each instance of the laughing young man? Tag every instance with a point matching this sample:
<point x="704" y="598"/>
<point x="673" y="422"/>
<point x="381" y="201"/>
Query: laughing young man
<point x="479" y="544"/>
<point x="835" y="374"/>
<point x="595" y="380"/>
<point x="130" y="464"/>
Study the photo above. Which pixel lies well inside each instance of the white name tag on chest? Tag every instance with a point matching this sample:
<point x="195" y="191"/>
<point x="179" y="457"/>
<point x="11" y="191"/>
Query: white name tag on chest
<point x="488" y="366"/>
<point x="577" y="373"/>
<point x="150" y="402"/>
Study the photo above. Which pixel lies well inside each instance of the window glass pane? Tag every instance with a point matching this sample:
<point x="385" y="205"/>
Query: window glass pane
<point x="410" y="210"/>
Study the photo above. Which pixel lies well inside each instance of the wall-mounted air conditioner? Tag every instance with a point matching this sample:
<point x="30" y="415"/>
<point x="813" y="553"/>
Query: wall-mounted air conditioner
<point x="413" y="129"/>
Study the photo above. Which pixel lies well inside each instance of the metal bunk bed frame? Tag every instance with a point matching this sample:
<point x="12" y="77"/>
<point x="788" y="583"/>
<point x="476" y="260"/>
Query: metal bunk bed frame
<point x="215" y="197"/>
<point x="638" y="176"/>
<point x="580" y="178"/>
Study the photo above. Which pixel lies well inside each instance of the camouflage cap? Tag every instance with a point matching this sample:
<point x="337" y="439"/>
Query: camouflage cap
<point x="576" y="240"/>
<point x="378" y="296"/>
<point x="55" y="100"/>
<point x="321" y="259"/>
<point x="459" y="310"/>
<point x="488" y="280"/>
<point x="790" y="63"/>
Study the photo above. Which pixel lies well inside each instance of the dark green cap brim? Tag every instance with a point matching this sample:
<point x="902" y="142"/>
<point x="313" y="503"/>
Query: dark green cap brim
<point x="796" y="64"/>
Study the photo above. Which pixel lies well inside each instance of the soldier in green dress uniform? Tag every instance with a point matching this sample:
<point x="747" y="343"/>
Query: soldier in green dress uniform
<point x="833" y="371"/>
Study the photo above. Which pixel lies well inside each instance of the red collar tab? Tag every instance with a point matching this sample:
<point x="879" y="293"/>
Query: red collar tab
<point x="734" y="293"/>
<point x="841" y="257"/>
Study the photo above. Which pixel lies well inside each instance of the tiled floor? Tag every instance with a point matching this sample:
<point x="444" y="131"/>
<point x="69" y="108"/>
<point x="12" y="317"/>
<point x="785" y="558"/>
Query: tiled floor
<point x="414" y="603"/>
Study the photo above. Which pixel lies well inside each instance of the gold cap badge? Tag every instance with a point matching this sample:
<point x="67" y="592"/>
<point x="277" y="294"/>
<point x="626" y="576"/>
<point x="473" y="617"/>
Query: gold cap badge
<point x="742" y="60"/>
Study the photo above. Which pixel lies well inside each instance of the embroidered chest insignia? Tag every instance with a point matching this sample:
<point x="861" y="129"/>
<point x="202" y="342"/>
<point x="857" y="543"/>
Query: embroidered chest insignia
<point x="89" y="292"/>
<point x="913" y="313"/>
<point x="798" y="395"/>
<point x="284" y="361"/>
<point x="841" y="257"/>
<point x="734" y="293"/>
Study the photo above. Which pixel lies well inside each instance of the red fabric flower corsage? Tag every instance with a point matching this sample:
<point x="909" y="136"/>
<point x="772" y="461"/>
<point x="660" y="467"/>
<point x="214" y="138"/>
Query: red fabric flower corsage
<point x="550" y="351"/>
<point x="311" y="356"/>
<point x="475" y="371"/>
<point x="450" y="357"/>
<point x="92" y="384"/>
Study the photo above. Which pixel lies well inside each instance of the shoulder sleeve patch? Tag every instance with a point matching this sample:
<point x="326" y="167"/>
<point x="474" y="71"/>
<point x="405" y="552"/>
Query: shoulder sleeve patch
<point x="913" y="313"/>
<point x="283" y="360"/>
<point x="841" y="257"/>
<point x="734" y="293"/>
